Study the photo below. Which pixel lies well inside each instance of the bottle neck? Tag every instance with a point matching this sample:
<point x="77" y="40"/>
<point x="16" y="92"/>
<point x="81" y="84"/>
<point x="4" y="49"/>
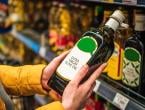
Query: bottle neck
<point x="109" y="31"/>
<point x="113" y="24"/>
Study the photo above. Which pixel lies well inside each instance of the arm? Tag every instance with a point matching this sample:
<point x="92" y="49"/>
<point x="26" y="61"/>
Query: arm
<point x="22" y="80"/>
<point x="28" y="79"/>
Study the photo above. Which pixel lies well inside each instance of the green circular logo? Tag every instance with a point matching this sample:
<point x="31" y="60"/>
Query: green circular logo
<point x="87" y="44"/>
<point x="132" y="54"/>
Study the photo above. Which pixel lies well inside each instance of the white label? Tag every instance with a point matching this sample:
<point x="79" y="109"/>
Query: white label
<point x="120" y="101"/>
<point x="130" y="73"/>
<point x="73" y="63"/>
<point x="97" y="86"/>
<point x="131" y="69"/>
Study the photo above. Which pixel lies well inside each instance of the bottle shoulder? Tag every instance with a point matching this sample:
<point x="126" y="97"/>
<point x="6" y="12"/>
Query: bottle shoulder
<point x="134" y="42"/>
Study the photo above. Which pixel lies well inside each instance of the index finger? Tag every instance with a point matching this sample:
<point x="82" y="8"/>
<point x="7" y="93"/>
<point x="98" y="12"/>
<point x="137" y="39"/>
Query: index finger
<point x="96" y="74"/>
<point x="81" y="74"/>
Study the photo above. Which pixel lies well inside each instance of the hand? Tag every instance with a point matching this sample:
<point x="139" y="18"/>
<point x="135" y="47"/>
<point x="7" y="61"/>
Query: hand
<point x="76" y="93"/>
<point x="50" y="69"/>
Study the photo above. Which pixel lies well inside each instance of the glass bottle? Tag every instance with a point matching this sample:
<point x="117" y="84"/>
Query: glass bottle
<point x="133" y="61"/>
<point x="95" y="47"/>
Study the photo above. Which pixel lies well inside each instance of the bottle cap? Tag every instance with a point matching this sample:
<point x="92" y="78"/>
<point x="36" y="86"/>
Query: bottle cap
<point x="116" y="19"/>
<point x="118" y="15"/>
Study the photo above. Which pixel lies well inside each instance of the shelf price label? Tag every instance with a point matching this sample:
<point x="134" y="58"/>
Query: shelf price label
<point x="42" y="51"/>
<point x="120" y="101"/>
<point x="97" y="86"/>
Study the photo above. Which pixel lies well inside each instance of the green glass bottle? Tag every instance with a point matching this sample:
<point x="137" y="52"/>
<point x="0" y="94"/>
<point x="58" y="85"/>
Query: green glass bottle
<point x="134" y="55"/>
<point x="95" y="47"/>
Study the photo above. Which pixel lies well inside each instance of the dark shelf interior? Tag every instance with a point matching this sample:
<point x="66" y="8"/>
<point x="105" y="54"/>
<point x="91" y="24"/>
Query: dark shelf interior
<point x="113" y="3"/>
<point x="117" y="86"/>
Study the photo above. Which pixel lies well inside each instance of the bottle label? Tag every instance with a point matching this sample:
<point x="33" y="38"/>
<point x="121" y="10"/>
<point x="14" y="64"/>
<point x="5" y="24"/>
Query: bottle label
<point x="131" y="67"/>
<point x="79" y="56"/>
<point x="114" y="63"/>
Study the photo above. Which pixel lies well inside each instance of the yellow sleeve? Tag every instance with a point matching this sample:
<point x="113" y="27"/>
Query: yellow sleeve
<point x="52" y="106"/>
<point x="22" y="80"/>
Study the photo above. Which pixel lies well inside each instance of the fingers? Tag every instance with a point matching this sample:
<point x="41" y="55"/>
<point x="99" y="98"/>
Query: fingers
<point x="56" y="61"/>
<point x="81" y="74"/>
<point x="95" y="75"/>
<point x="59" y="58"/>
<point x="91" y="89"/>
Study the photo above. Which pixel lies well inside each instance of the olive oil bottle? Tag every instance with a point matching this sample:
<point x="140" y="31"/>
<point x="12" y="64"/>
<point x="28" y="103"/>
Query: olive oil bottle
<point x="95" y="47"/>
<point x="133" y="61"/>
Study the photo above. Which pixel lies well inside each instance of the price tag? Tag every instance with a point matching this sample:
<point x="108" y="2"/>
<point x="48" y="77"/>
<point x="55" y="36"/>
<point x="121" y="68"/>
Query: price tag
<point x="42" y="51"/>
<point x="97" y="86"/>
<point x="120" y="101"/>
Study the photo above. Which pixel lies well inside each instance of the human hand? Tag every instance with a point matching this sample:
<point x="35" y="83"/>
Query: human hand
<point x="77" y="92"/>
<point x="50" y="69"/>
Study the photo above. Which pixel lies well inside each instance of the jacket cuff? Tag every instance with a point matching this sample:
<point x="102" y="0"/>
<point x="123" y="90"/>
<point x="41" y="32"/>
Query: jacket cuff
<point x="34" y="79"/>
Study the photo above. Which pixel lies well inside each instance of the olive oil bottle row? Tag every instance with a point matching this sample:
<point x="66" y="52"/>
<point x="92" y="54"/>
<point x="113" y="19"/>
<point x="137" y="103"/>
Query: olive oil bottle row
<point x="127" y="62"/>
<point x="66" y="23"/>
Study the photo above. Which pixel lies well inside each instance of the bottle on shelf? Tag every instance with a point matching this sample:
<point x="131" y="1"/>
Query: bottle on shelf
<point x="114" y="67"/>
<point x="53" y="24"/>
<point x="107" y="13"/>
<point x="95" y="47"/>
<point x="17" y="14"/>
<point x="98" y="16"/>
<point x="133" y="61"/>
<point x="115" y="62"/>
<point x="64" y="19"/>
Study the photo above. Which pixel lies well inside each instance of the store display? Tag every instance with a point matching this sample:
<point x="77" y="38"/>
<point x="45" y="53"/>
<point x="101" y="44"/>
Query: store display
<point x="98" y="16"/>
<point x="53" y="26"/>
<point x="133" y="61"/>
<point x="99" y="49"/>
<point x="47" y="28"/>
<point x="114" y="68"/>
<point x="17" y="14"/>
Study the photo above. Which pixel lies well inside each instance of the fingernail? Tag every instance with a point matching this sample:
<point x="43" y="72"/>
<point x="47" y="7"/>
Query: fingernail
<point x="105" y="64"/>
<point x="86" y="66"/>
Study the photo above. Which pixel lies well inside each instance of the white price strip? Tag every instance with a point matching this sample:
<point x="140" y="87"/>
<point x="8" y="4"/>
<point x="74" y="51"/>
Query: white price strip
<point x="120" y="101"/>
<point x="97" y="86"/>
<point x="42" y="51"/>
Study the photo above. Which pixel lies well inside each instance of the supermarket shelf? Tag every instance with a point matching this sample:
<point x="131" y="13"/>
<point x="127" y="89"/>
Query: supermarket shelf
<point x="43" y="51"/>
<point x="119" y="95"/>
<point x="115" y="3"/>
<point x="112" y="91"/>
